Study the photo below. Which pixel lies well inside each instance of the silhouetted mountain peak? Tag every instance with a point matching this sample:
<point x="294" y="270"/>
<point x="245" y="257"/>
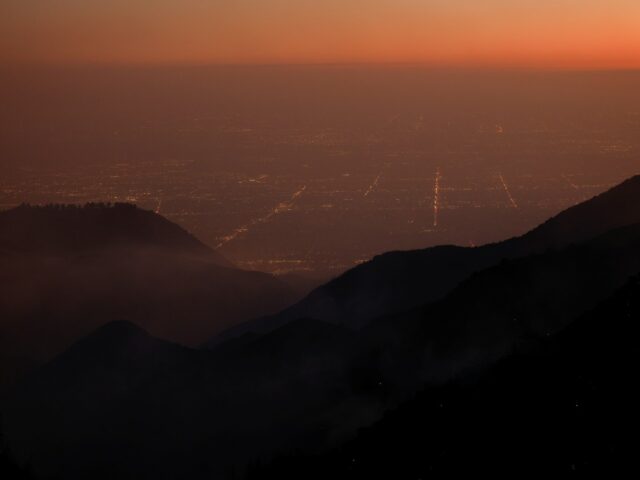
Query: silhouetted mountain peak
<point x="94" y="226"/>
<point x="67" y="269"/>
<point x="117" y="337"/>
<point x="117" y="350"/>
<point x="120" y="330"/>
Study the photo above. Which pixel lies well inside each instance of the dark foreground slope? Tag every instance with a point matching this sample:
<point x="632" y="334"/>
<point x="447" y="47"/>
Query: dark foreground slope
<point x="397" y="281"/>
<point x="121" y="404"/>
<point x="498" y="309"/>
<point x="564" y="405"/>
<point x="65" y="270"/>
<point x="9" y="468"/>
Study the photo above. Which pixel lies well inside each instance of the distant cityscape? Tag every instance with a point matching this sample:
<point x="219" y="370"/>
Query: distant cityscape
<point x="318" y="196"/>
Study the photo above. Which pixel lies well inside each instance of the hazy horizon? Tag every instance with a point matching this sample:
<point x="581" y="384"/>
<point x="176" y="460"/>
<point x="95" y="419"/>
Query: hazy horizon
<point x="316" y="168"/>
<point x="543" y="33"/>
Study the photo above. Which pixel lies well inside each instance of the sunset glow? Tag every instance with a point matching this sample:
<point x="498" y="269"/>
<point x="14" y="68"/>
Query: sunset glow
<point x="503" y="33"/>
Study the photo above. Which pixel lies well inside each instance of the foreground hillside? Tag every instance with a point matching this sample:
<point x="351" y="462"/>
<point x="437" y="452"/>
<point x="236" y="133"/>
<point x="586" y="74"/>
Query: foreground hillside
<point x="65" y="270"/>
<point x="560" y="406"/>
<point x="121" y="403"/>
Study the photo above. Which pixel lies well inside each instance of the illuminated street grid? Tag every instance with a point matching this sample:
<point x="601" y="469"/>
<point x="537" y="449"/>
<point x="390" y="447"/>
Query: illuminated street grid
<point x="322" y="201"/>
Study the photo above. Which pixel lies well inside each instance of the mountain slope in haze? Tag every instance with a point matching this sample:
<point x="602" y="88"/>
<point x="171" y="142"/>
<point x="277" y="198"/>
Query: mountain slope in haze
<point x="496" y="310"/>
<point x="104" y="389"/>
<point x="64" y="270"/>
<point x="397" y="281"/>
<point x="564" y="405"/>
<point x="121" y="404"/>
<point x="77" y="229"/>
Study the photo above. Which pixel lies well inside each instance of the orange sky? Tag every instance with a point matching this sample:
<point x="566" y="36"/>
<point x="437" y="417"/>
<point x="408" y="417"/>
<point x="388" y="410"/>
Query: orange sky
<point x="505" y="33"/>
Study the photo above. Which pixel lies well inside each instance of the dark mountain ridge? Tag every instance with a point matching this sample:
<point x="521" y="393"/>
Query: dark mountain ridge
<point x="397" y="281"/>
<point x="157" y="409"/>
<point x="65" y="270"/>
<point x="122" y="404"/>
<point x="495" y="310"/>
<point x="73" y="229"/>
<point x="563" y="405"/>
